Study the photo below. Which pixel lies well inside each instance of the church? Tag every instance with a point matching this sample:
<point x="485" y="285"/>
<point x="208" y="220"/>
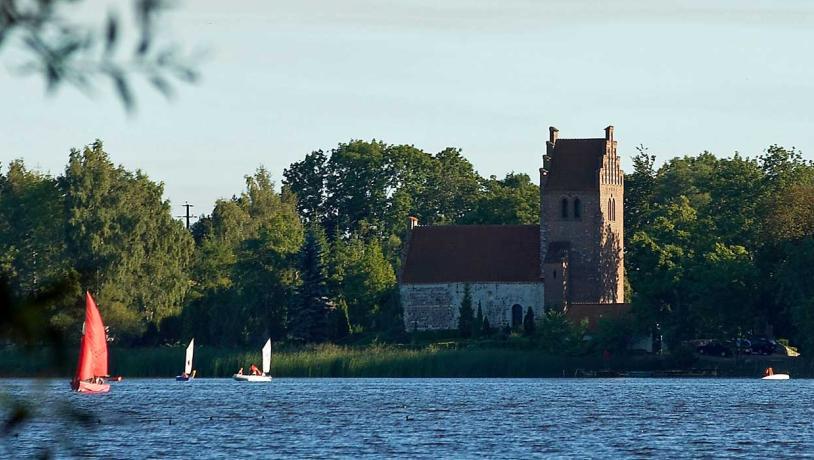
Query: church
<point x="572" y="261"/>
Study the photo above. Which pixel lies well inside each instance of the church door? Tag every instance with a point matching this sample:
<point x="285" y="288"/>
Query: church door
<point x="517" y="316"/>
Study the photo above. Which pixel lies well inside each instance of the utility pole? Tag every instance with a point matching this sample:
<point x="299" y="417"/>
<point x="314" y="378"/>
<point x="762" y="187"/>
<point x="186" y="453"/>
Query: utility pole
<point x="188" y="215"/>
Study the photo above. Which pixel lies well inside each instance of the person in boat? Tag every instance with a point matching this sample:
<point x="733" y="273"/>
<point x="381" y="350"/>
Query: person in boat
<point x="240" y="371"/>
<point x="769" y="371"/>
<point x="254" y="370"/>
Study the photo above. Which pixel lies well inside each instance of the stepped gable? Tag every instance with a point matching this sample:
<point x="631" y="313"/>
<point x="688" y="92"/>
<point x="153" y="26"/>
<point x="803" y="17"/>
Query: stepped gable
<point x="473" y="253"/>
<point x="575" y="164"/>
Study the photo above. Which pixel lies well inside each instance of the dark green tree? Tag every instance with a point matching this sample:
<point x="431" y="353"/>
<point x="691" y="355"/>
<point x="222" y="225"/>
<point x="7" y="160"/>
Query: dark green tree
<point x="466" y="315"/>
<point x="245" y="269"/>
<point x="477" y="326"/>
<point x="363" y="279"/>
<point x="529" y="323"/>
<point x="512" y="200"/>
<point x="123" y="242"/>
<point x="309" y="315"/>
<point x="453" y="188"/>
<point x="32" y="229"/>
<point x="306" y="179"/>
<point x="486" y="330"/>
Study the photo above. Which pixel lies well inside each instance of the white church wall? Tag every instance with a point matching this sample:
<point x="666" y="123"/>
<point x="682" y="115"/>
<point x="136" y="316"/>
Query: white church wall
<point x="436" y="306"/>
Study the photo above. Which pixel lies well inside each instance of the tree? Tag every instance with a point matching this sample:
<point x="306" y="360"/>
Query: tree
<point x="64" y="49"/>
<point x="306" y="179"/>
<point x="32" y="229"/>
<point x="512" y="200"/>
<point x="267" y="257"/>
<point x="556" y="334"/>
<point x="452" y="189"/>
<point x="528" y="323"/>
<point x="466" y="317"/>
<point x="338" y="322"/>
<point x="123" y="242"/>
<point x="245" y="270"/>
<point x="358" y="182"/>
<point x="487" y="328"/>
<point x="640" y="189"/>
<point x="308" y="320"/>
<point x="363" y="279"/>
<point x="477" y="326"/>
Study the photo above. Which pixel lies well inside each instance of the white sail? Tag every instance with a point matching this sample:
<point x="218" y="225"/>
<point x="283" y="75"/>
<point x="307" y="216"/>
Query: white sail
<point x="267" y="357"/>
<point x="188" y="363"/>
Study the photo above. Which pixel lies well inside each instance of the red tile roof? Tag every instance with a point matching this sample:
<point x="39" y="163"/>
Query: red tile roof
<point x="575" y="164"/>
<point x="473" y="253"/>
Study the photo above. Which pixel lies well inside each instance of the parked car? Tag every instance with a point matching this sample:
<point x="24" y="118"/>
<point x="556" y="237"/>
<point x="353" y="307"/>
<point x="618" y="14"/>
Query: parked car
<point x="714" y="348"/>
<point x="741" y="346"/>
<point x="763" y="346"/>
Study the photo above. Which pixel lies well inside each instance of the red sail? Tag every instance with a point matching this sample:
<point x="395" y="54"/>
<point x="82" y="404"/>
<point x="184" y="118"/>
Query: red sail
<point x="93" y="351"/>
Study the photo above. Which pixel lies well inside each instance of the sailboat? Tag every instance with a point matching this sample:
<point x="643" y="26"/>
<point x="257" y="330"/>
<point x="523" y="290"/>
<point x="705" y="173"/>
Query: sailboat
<point x="264" y="377"/>
<point x="92" y="367"/>
<point x="188" y="374"/>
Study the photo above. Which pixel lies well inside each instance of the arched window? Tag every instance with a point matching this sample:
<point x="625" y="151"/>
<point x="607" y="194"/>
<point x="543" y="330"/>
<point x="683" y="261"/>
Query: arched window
<point x="577" y="208"/>
<point x="564" y="210"/>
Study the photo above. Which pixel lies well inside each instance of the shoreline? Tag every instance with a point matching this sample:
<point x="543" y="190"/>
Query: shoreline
<point x="329" y="361"/>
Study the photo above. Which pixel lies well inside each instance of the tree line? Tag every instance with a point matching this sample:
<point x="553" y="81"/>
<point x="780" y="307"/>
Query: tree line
<point x="722" y="247"/>
<point x="715" y="247"/>
<point x="311" y="260"/>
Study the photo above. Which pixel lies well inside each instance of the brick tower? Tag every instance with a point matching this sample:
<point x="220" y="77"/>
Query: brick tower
<point x="582" y="221"/>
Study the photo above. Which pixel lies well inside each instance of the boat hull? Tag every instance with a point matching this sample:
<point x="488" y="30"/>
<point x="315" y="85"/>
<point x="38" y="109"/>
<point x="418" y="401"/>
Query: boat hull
<point x="181" y="378"/>
<point x="252" y="378"/>
<point x="87" y="387"/>
<point x="776" y="377"/>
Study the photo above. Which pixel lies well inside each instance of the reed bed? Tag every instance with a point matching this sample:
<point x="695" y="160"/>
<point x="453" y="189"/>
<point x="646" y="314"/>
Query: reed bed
<point x="370" y="361"/>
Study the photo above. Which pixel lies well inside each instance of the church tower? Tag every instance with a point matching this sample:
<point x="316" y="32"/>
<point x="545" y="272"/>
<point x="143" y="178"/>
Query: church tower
<point x="582" y="221"/>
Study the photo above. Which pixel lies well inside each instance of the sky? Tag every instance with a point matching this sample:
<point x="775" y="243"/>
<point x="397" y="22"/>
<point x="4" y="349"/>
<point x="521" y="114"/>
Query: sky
<point x="283" y="78"/>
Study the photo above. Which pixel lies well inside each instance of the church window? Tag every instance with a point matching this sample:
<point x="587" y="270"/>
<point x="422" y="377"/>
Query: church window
<point x="577" y="208"/>
<point x="610" y="209"/>
<point x="613" y="209"/>
<point x="564" y="210"/>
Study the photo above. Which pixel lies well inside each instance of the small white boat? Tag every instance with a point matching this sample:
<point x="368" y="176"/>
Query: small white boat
<point x="769" y="374"/>
<point x="188" y="374"/>
<point x="264" y="377"/>
<point x="776" y="377"/>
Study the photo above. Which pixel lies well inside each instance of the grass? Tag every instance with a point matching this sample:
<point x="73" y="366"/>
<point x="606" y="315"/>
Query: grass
<point x="320" y="361"/>
<point x="369" y="361"/>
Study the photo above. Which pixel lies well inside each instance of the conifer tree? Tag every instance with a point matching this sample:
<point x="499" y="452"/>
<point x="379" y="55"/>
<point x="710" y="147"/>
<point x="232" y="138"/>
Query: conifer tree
<point x="466" y="317"/>
<point x="309" y="320"/>
<point x="528" y="323"/>
<point x="487" y="328"/>
<point x="478" y="326"/>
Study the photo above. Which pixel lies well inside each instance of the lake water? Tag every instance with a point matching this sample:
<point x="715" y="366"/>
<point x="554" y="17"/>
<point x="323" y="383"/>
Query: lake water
<point x="419" y="418"/>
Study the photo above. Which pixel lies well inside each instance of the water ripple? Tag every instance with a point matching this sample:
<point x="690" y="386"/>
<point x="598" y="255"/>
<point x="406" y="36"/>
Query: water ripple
<point x="421" y="418"/>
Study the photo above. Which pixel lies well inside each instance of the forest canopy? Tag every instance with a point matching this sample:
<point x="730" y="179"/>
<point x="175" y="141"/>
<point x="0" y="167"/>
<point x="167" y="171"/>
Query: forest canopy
<point x="715" y="246"/>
